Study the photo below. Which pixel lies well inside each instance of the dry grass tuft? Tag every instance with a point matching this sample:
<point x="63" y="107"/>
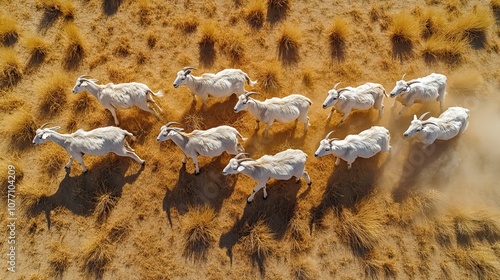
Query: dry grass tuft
<point x="9" y="33"/>
<point x="288" y="45"/>
<point x="270" y="77"/>
<point x="52" y="162"/>
<point x="209" y="36"/>
<point x="443" y="48"/>
<point x="144" y="12"/>
<point x="475" y="225"/>
<point x="495" y="7"/>
<point x="75" y="47"/>
<point x="403" y="32"/>
<point x="479" y="260"/>
<point x="58" y="260"/>
<point x="233" y="46"/>
<point x="96" y="256"/>
<point x="193" y="121"/>
<point x="277" y="10"/>
<point x="119" y="231"/>
<point x="298" y="235"/>
<point x="187" y="23"/>
<point x="254" y="13"/>
<point x="304" y="269"/>
<point x="433" y="22"/>
<point x="104" y="203"/>
<point x="56" y="8"/>
<point x="38" y="50"/>
<point x="84" y="104"/>
<point x="259" y="241"/>
<point x="10" y="102"/>
<point x="198" y="232"/>
<point x="473" y="27"/>
<point x="152" y="40"/>
<point x="10" y="68"/>
<point x="53" y="94"/>
<point x="123" y="47"/>
<point x="337" y="37"/>
<point x="20" y="127"/>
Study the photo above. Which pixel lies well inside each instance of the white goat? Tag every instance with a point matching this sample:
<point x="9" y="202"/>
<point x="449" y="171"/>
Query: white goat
<point x="222" y="84"/>
<point x="281" y="166"/>
<point x="448" y="125"/>
<point x="365" y="144"/>
<point x="286" y="109"/>
<point x="420" y="90"/>
<point x="119" y="96"/>
<point x="211" y="142"/>
<point x="97" y="142"/>
<point x="362" y="97"/>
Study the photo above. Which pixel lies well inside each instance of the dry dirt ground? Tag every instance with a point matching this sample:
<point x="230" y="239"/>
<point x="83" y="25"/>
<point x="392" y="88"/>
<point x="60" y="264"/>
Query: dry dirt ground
<point x="411" y="214"/>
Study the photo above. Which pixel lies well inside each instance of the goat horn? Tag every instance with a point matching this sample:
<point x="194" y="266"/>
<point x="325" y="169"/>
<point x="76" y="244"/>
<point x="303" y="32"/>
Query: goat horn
<point x="189" y="68"/>
<point x="402" y="78"/>
<point x="412" y="82"/>
<point x="429" y="122"/>
<point x="329" y="133"/>
<point x="240" y="154"/>
<point x="342" y="90"/>
<point x="171" y="123"/>
<point x="330" y="140"/>
<point x="250" y="93"/>
<point x="423" y="115"/>
<point x="335" y="86"/>
<point x="84" y="76"/>
<point x="243" y="159"/>
<point x="43" y="125"/>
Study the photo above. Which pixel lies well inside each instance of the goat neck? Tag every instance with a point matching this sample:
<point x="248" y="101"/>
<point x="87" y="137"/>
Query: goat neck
<point x="256" y="107"/>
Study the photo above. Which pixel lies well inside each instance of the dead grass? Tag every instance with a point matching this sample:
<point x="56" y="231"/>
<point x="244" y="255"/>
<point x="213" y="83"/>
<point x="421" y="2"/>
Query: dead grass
<point x="198" y="231"/>
<point x="442" y="48"/>
<point x="96" y="256"/>
<point x="9" y="33"/>
<point x="288" y="44"/>
<point x="403" y="32"/>
<point x="254" y="13"/>
<point x="57" y="8"/>
<point x="298" y="235"/>
<point x="270" y="77"/>
<point x="144" y="12"/>
<point x="209" y="36"/>
<point x="187" y="23"/>
<point x="433" y="21"/>
<point x="38" y="49"/>
<point x="337" y="37"/>
<point x="467" y="82"/>
<point x="473" y="27"/>
<point x="105" y="201"/>
<point x="11" y="70"/>
<point x="52" y="162"/>
<point x="258" y="241"/>
<point x="118" y="231"/>
<point x="75" y="47"/>
<point x="473" y="226"/>
<point x="233" y="46"/>
<point x="53" y="94"/>
<point x="59" y="260"/>
<point x="6" y="164"/>
<point x="20" y="128"/>
<point x="481" y="261"/>
<point x="9" y="103"/>
<point x="277" y="10"/>
<point x="419" y="204"/>
<point x="193" y="121"/>
<point x="495" y="7"/>
<point x="303" y="268"/>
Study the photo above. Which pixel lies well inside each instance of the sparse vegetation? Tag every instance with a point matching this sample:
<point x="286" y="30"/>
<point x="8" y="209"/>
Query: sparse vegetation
<point x="9" y="33"/>
<point x="53" y="94"/>
<point x="198" y="232"/>
<point x="96" y="257"/>
<point x="254" y="13"/>
<point x="304" y="269"/>
<point x="20" y="127"/>
<point x="288" y="45"/>
<point x="270" y="77"/>
<point x="233" y="46"/>
<point x="404" y="32"/>
<point x="337" y="37"/>
<point x="38" y="50"/>
<point x="75" y="47"/>
<point x="472" y="26"/>
<point x="105" y="202"/>
<point x="187" y="23"/>
<point x="10" y="68"/>
<point x="209" y="35"/>
<point x="442" y="48"/>
<point x="258" y="241"/>
<point x="56" y="8"/>
<point x="59" y="260"/>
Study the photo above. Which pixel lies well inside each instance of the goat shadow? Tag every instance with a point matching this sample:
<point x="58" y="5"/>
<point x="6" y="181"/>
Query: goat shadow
<point x="346" y="188"/>
<point x="275" y="212"/>
<point x="209" y="187"/>
<point x="79" y="194"/>
<point x="421" y="161"/>
<point x="275" y="141"/>
<point x="213" y="114"/>
<point x="110" y="7"/>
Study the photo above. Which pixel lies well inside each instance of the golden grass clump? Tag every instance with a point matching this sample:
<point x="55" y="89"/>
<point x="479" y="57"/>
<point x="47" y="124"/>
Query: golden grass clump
<point x="259" y="241"/>
<point x="304" y="268"/>
<point x="403" y="32"/>
<point x="198" y="231"/>
<point x="472" y="26"/>
<point x="187" y="23"/>
<point x="20" y="127"/>
<point x="58" y="8"/>
<point x="52" y="162"/>
<point x="193" y="121"/>
<point x="9" y="103"/>
<point x="59" y="259"/>
<point x="298" y="235"/>
<point x="288" y="44"/>
<point x="38" y="50"/>
<point x="443" y="48"/>
<point x="495" y="6"/>
<point x="118" y="231"/>
<point x="11" y="70"/>
<point x="144" y="12"/>
<point x="53" y="94"/>
<point x="104" y="203"/>
<point x="433" y="22"/>
<point x="209" y="36"/>
<point x="9" y="33"/>
<point x="361" y="230"/>
<point x="75" y="47"/>
<point x="475" y="225"/>
<point x="479" y="260"/>
<point x="270" y="77"/>
<point x="254" y="13"/>
<point x="96" y="257"/>
<point x="233" y="46"/>
<point x="83" y="104"/>
<point x="277" y="10"/>
<point x="337" y="38"/>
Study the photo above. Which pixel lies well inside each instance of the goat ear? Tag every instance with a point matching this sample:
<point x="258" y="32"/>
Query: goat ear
<point x="414" y="117"/>
<point x="55" y="128"/>
<point x="44" y="136"/>
<point x="241" y="168"/>
<point x="94" y="80"/>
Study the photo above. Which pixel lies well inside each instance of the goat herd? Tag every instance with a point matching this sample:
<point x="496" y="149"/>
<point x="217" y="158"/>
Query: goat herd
<point x="281" y="166"/>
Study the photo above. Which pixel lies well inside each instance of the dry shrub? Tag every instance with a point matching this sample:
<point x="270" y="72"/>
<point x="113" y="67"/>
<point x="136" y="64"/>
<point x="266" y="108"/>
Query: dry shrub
<point x="52" y="162"/>
<point x="57" y="8"/>
<point x="304" y="268"/>
<point x="277" y="10"/>
<point x="193" y="121"/>
<point x="472" y="26"/>
<point x="53" y="94"/>
<point x="152" y="39"/>
<point x="209" y="36"/>
<point x="105" y="201"/>
<point x="479" y="260"/>
<point x="258" y="241"/>
<point x="233" y="46"/>
<point x="38" y="50"/>
<point x="337" y="37"/>
<point x="96" y="256"/>
<point x="270" y="77"/>
<point x="475" y="225"/>
<point x="9" y="33"/>
<point x="20" y="127"/>
<point x="403" y="32"/>
<point x="198" y="232"/>
<point x="254" y="13"/>
<point x="288" y="44"/>
<point x="144" y="12"/>
<point x="443" y="48"/>
<point x="75" y="47"/>
<point x="58" y="259"/>
<point x="298" y="235"/>
<point x="123" y="47"/>
<point x="187" y="23"/>
<point x="10" y="68"/>
<point x="433" y="22"/>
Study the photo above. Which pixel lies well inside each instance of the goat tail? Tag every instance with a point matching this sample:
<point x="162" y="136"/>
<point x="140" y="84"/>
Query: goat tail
<point x="250" y="82"/>
<point x="242" y="138"/>
<point x="130" y="135"/>
<point x="159" y="93"/>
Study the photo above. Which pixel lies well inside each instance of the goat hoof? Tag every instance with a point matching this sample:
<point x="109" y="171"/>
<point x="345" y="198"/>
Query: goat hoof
<point x="143" y="163"/>
<point x="196" y="174"/>
<point x="85" y="172"/>
<point x="298" y="181"/>
<point x="66" y="167"/>
<point x="248" y="202"/>
<point x="265" y="197"/>
<point x="310" y="183"/>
